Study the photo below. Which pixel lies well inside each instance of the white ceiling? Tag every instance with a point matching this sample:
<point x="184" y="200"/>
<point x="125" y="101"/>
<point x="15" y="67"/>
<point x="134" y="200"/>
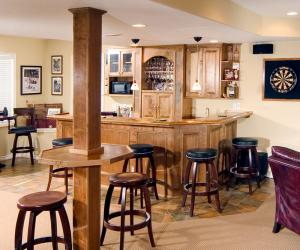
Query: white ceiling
<point x="275" y="8"/>
<point x="51" y="19"/>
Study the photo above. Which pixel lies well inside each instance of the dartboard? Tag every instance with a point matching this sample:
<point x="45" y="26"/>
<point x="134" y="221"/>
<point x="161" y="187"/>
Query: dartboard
<point x="283" y="79"/>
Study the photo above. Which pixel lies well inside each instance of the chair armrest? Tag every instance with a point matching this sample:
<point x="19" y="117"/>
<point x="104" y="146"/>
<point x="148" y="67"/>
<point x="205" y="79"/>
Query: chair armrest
<point x="286" y="153"/>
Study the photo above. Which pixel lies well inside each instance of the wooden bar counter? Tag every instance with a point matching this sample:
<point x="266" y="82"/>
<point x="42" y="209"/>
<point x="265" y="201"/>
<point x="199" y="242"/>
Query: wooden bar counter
<point x="170" y="138"/>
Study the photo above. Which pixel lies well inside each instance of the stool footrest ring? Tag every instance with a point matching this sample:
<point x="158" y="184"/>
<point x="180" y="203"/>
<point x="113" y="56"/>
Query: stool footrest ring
<point x="214" y="189"/>
<point x="127" y="228"/>
<point x="245" y="174"/>
<point x="43" y="240"/>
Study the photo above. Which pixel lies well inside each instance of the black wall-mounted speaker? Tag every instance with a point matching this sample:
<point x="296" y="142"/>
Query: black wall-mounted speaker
<point x="264" y="48"/>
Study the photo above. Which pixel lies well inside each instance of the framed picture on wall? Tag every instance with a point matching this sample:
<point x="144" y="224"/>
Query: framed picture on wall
<point x="281" y="79"/>
<point x="31" y="80"/>
<point x="56" y="85"/>
<point x="56" y="65"/>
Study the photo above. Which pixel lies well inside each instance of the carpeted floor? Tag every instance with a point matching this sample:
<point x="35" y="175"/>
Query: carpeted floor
<point x="241" y="231"/>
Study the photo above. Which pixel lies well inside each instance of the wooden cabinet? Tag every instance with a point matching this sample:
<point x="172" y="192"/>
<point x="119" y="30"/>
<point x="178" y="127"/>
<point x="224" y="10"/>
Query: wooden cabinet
<point x="120" y="62"/>
<point x="157" y="105"/>
<point x="211" y="72"/>
<point x="208" y="71"/>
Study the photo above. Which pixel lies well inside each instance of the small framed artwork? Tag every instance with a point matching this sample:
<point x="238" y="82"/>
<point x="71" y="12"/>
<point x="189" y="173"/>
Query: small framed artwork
<point x="228" y="74"/>
<point x="56" y="85"/>
<point x="281" y="79"/>
<point x="56" y="65"/>
<point x="31" y="80"/>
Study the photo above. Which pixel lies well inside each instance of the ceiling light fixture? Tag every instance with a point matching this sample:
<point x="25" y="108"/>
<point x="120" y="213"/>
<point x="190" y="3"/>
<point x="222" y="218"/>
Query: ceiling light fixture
<point x="112" y="34"/>
<point x="292" y="13"/>
<point x="196" y="86"/>
<point x="138" y="25"/>
<point x="134" y="85"/>
<point x="213" y="41"/>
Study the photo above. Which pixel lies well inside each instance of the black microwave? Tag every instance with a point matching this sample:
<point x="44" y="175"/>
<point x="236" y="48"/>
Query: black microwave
<point x="123" y="88"/>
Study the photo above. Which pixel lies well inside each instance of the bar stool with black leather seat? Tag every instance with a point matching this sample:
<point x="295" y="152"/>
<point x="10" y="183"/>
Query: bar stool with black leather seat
<point x="26" y="130"/>
<point x="142" y="151"/>
<point x="195" y="158"/>
<point x="60" y="172"/>
<point x="36" y="203"/>
<point x="126" y="181"/>
<point x="246" y="146"/>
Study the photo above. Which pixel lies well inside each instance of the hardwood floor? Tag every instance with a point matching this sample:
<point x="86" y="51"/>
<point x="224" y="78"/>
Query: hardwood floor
<point x="24" y="178"/>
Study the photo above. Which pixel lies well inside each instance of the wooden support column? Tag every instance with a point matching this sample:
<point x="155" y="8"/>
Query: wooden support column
<point x="87" y="28"/>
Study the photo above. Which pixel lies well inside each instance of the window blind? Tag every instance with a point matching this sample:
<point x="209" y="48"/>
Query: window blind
<point x="7" y="79"/>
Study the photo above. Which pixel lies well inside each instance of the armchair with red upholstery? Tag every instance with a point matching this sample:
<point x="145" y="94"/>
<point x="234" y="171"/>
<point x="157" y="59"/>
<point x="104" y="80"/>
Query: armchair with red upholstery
<point x="285" y="165"/>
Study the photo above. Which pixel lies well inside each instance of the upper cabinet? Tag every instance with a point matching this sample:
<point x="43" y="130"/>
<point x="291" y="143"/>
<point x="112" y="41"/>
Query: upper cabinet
<point x="120" y="62"/>
<point x="207" y="71"/>
<point x="217" y="71"/>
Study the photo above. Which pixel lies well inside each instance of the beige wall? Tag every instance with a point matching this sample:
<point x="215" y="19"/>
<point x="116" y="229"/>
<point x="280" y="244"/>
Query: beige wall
<point x="275" y="122"/>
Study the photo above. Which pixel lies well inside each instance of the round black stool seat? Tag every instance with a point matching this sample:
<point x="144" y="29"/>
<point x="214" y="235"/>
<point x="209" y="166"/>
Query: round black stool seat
<point x="201" y="153"/>
<point x="244" y="141"/>
<point x="141" y="148"/>
<point x="127" y="181"/>
<point x="35" y="204"/>
<point x="62" y="142"/>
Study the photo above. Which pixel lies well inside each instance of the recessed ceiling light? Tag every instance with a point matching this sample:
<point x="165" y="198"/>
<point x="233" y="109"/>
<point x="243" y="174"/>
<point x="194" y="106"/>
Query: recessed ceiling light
<point x="213" y="41"/>
<point x="292" y="13"/>
<point x="112" y="34"/>
<point x="138" y="25"/>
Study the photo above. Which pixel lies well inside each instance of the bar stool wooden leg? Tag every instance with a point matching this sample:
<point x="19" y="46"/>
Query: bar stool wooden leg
<point x="194" y="176"/>
<point x="31" y="148"/>
<point x="19" y="230"/>
<point x="66" y="180"/>
<point x="31" y="229"/>
<point x="250" y="170"/>
<point x="106" y="212"/>
<point x="49" y="178"/>
<point x="257" y="167"/>
<point x="186" y="181"/>
<point x="14" y="150"/>
<point x="153" y="168"/>
<point x="125" y="165"/>
<point x="208" y="182"/>
<point x="123" y="208"/>
<point x="215" y="180"/>
<point x="136" y="170"/>
<point x="66" y="227"/>
<point x="148" y="210"/>
<point x="131" y="198"/>
<point x="53" y="230"/>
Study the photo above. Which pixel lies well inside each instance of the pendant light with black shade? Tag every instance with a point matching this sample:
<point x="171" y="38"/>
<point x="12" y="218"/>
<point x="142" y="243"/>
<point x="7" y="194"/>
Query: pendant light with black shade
<point x="196" y="85"/>
<point x="134" y="85"/>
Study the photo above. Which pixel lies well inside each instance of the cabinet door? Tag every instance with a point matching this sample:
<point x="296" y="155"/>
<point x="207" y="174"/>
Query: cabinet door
<point x="149" y="105"/>
<point x="127" y="63"/>
<point x="164" y="106"/>
<point x="211" y="72"/>
<point x="114" y="63"/>
<point x="191" y="71"/>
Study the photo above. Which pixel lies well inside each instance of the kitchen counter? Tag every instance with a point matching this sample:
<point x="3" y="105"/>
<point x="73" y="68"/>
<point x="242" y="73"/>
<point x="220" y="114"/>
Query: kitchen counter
<point x="213" y="120"/>
<point x="170" y="138"/>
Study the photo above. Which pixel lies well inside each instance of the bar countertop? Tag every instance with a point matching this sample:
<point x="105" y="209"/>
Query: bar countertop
<point x="211" y="120"/>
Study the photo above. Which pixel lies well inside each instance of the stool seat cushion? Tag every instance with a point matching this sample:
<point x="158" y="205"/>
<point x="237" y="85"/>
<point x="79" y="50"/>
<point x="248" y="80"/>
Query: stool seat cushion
<point x="62" y="142"/>
<point x="44" y="200"/>
<point x="22" y="130"/>
<point x="128" y="179"/>
<point x="244" y="141"/>
<point x="141" y="148"/>
<point x="201" y="153"/>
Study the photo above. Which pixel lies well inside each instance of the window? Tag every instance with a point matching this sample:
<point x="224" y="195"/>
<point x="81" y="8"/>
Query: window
<point x="7" y="82"/>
